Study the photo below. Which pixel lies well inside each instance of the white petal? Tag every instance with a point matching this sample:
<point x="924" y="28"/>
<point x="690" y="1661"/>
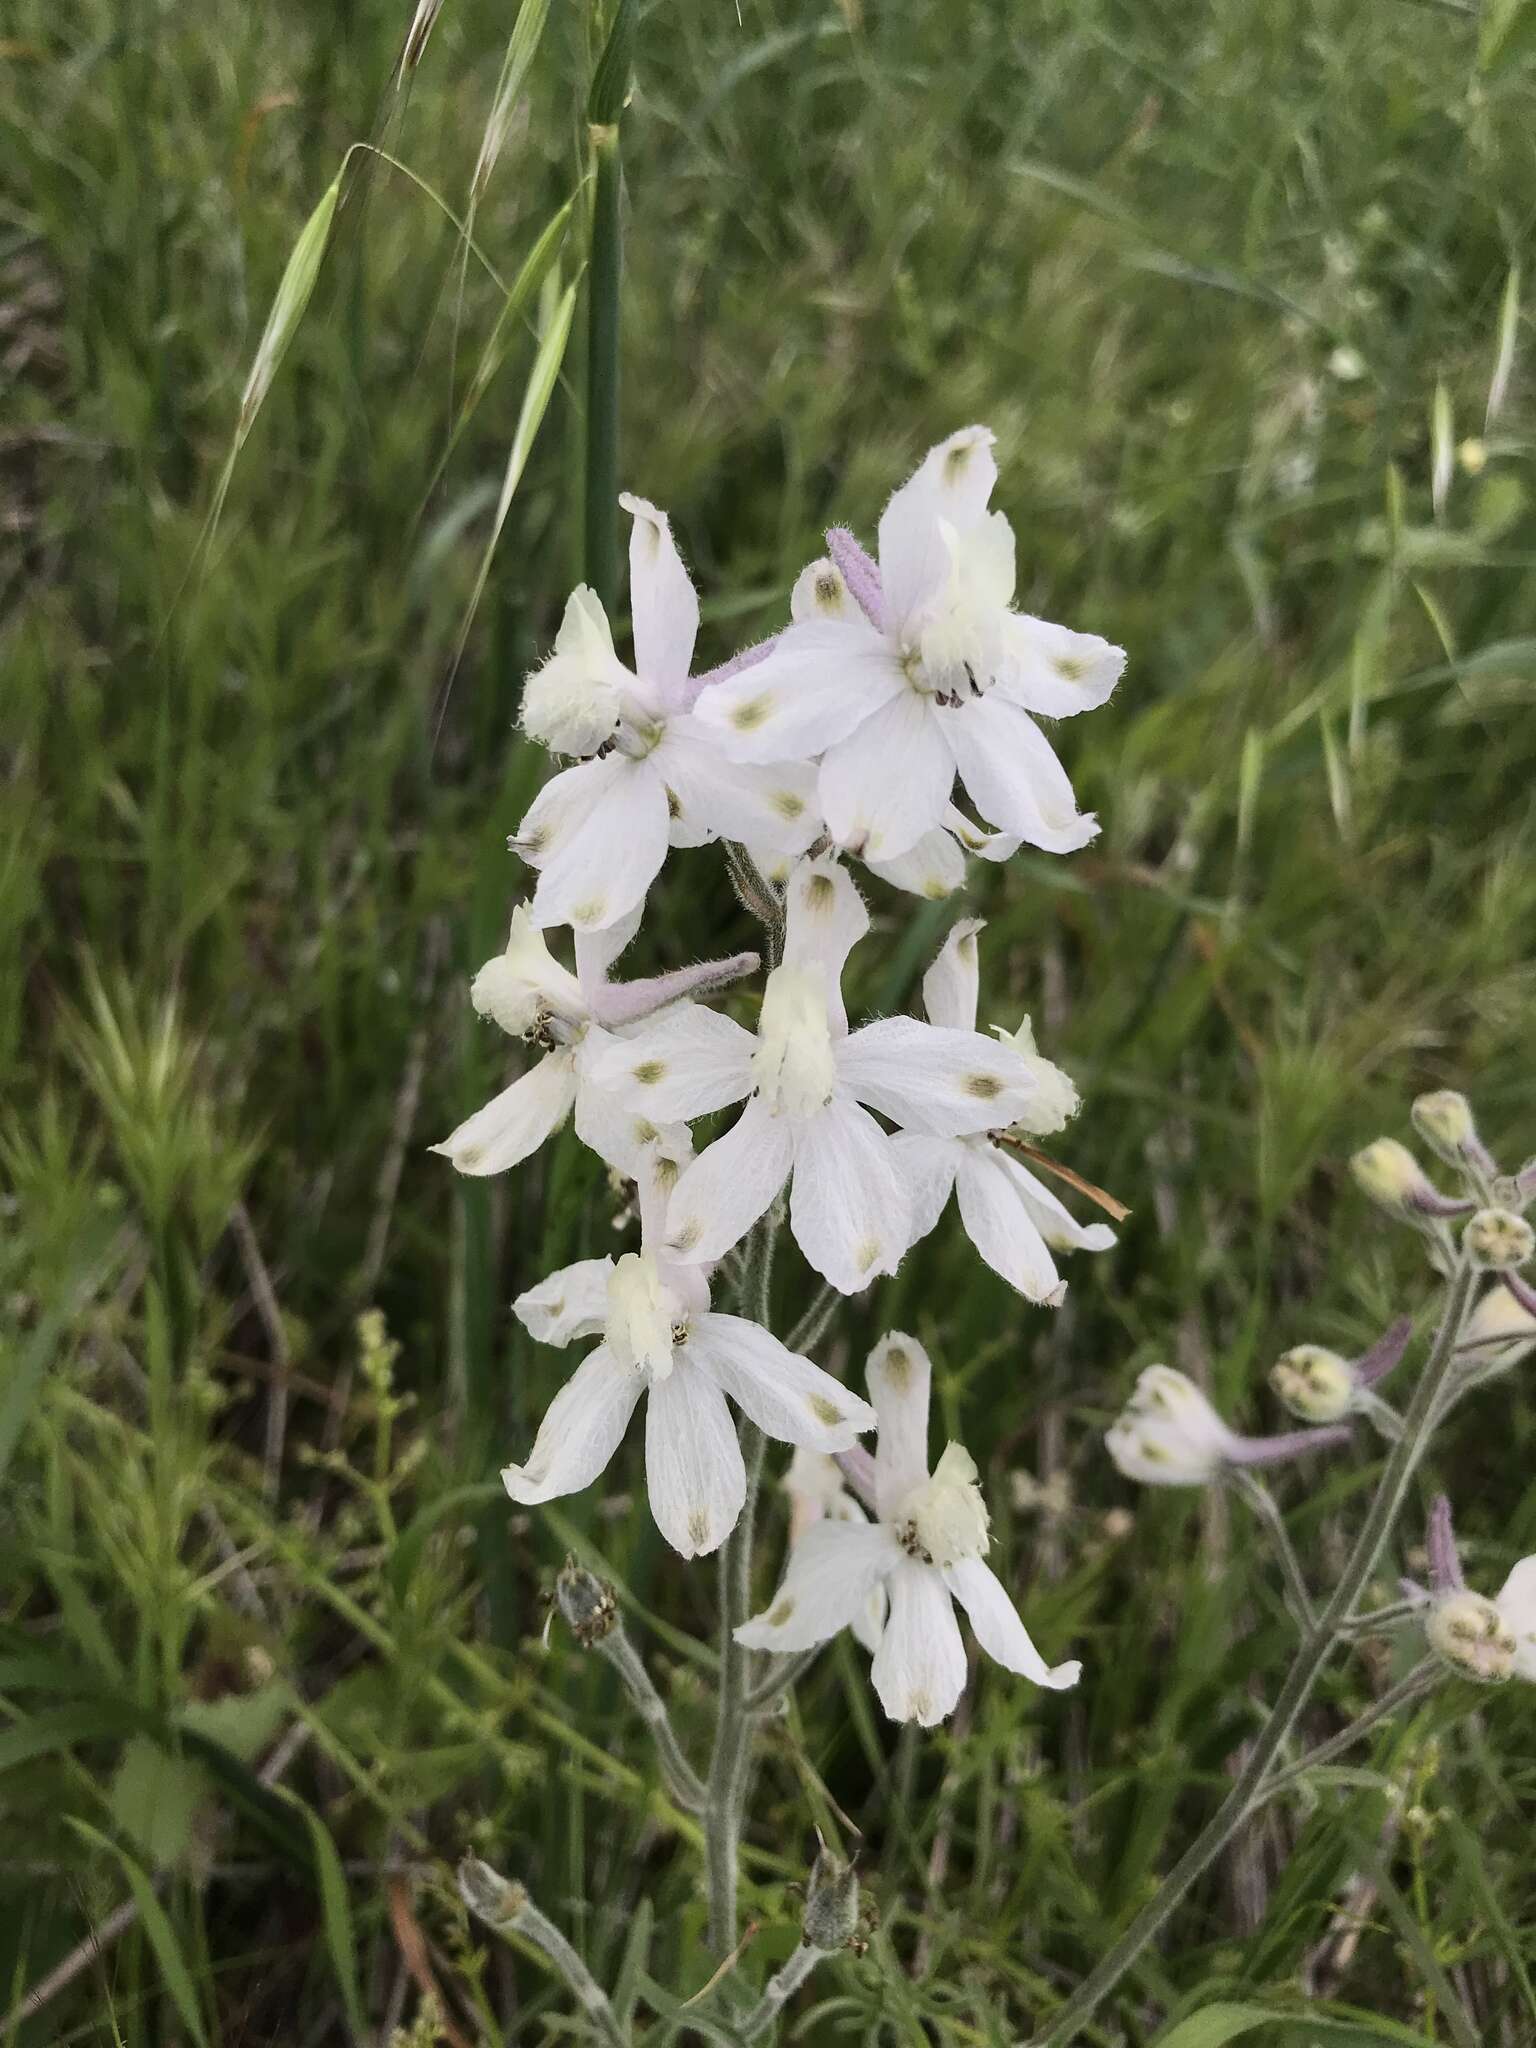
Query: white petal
<point x="820" y="683"/>
<point x="597" y="951"/>
<point x="998" y="1628"/>
<point x="1013" y="777"/>
<point x="515" y="1122"/>
<point x="771" y="804"/>
<point x="581" y="1430"/>
<point x="1517" y="1605"/>
<point x="621" y="1134"/>
<point x="693" y="1468"/>
<point x="597" y="860"/>
<point x="821" y="593"/>
<point x="663" y="604"/>
<point x="1052" y="1218"/>
<point x="975" y="839"/>
<point x="953" y="483"/>
<point x="927" y="1169"/>
<point x="569" y="1304"/>
<point x="785" y="1394"/>
<point x="824" y="919"/>
<point x="847" y="1206"/>
<point x="945" y="1083"/>
<point x="933" y="868"/>
<point x="887" y="784"/>
<point x="1000" y="1226"/>
<point x="1054" y="671"/>
<point x="919" y="1668"/>
<point x="681" y="1063"/>
<point x="899" y="1377"/>
<point x="730" y="1184"/>
<point x="831" y="1573"/>
<point x="953" y="982"/>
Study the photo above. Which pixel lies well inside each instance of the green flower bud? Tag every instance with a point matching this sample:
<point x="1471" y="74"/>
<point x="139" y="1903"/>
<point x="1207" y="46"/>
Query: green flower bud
<point x="1392" y="1177"/>
<point x="1444" y="1121"/>
<point x="587" y="1603"/>
<point x="489" y="1896"/>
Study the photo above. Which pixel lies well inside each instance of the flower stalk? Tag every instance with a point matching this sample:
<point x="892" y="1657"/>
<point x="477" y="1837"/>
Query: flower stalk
<point x="505" y="1907"/>
<point x="1250" y="1787"/>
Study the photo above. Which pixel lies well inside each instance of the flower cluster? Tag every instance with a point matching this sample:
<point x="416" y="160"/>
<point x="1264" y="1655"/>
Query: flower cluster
<point x="839" y="741"/>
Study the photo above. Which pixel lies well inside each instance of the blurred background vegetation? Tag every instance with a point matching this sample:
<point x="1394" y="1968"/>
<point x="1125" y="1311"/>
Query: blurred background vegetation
<point x="1238" y="286"/>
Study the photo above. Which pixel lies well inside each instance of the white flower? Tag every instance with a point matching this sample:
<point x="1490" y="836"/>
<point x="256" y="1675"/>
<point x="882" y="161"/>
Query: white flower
<point x="530" y="995"/>
<point x="1011" y="1217"/>
<point x="1170" y="1435"/>
<point x="926" y="1549"/>
<point x="1516" y="1603"/>
<point x="817" y="1491"/>
<point x="936" y="674"/>
<point x="662" y="1340"/>
<point x="598" y="833"/>
<point x="810" y="1084"/>
<point x="1500" y="1330"/>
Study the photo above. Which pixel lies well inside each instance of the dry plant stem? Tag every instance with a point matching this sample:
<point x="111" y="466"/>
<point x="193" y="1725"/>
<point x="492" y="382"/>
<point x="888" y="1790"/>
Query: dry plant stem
<point x="1421" y="1680"/>
<point x="1264" y="1505"/>
<point x="779" y="1989"/>
<point x="1248" y="1787"/>
<point x="683" y="1781"/>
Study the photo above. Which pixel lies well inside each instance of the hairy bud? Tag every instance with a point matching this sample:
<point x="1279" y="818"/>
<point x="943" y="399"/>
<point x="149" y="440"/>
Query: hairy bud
<point x="489" y="1896"/>
<point x="1315" y="1384"/>
<point x="1444" y="1121"/>
<point x="1471" y="1635"/>
<point x="1393" y="1178"/>
<point x="831" y="1918"/>
<point x="587" y="1603"/>
<point x="1499" y="1240"/>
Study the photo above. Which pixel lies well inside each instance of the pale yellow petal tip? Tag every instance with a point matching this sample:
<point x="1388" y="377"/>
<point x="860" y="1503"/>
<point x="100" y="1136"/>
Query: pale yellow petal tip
<point x="1062" y="1677"/>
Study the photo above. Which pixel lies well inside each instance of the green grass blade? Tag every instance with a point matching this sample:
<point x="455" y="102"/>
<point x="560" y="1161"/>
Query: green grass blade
<point x="174" y="1972"/>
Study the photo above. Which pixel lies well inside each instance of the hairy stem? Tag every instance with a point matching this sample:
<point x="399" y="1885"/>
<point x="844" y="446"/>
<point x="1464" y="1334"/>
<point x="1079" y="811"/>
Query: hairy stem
<point x="1247" y="1788"/>
<point x="1422" y="1679"/>
<point x="733" y="1726"/>
<point x="782" y="1674"/>
<point x="1264" y="1505"/>
<point x="779" y="1989"/>
<point x="507" y="1908"/>
<point x="683" y="1781"/>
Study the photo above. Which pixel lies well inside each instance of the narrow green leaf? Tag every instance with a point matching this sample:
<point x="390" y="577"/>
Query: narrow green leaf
<point x="336" y="1907"/>
<point x="23" y="1373"/>
<point x="162" y="1936"/>
<point x="610" y="81"/>
<point x="1504" y="347"/>
<point x="153" y="1799"/>
<point x="522" y="44"/>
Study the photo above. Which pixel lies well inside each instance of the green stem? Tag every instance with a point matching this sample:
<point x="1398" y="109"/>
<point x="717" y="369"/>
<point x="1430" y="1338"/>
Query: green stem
<point x="604" y="270"/>
<point x="1420" y="1680"/>
<point x="683" y="1781"/>
<point x="779" y="1989"/>
<point x="507" y="1908"/>
<point x="782" y="1674"/>
<point x="1248" y="1786"/>
<point x="1265" y="1506"/>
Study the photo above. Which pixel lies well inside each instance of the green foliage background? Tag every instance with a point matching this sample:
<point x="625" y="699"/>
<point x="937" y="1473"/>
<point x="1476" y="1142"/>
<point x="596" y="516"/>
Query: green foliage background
<point x="1227" y="279"/>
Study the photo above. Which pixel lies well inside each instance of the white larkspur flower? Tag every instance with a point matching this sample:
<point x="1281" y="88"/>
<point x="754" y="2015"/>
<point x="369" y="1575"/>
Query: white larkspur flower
<point x="1500" y="1330"/>
<point x="1011" y="1217"/>
<point x="926" y="1549"/>
<point x="661" y="1340"/>
<point x="936" y="675"/>
<point x="1516" y="1602"/>
<point x="1482" y="1639"/>
<point x="1170" y="1435"/>
<point x="572" y="1017"/>
<point x="809" y="1085"/>
<point x="598" y="833"/>
<point x="817" y="1492"/>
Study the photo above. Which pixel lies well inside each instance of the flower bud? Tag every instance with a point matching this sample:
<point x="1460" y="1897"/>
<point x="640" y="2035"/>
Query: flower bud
<point x="1315" y="1384"/>
<point x="587" y="1603"/>
<point x="1499" y="1240"/>
<point x="1471" y="1635"/>
<point x="1394" y="1179"/>
<point x="489" y="1896"/>
<point x="1169" y="1434"/>
<point x="1500" y="1329"/>
<point x="831" y="1918"/>
<point x="1444" y="1121"/>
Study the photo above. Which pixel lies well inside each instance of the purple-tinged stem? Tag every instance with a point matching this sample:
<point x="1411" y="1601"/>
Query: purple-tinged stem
<point x="1274" y="1450"/>
<point x="749" y="657"/>
<point x="858" y="1468"/>
<point x="625" y="1002"/>
<point x="1445" y="1573"/>
<point x="1385" y="1354"/>
<point x="1522" y="1291"/>
<point x="860" y="573"/>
